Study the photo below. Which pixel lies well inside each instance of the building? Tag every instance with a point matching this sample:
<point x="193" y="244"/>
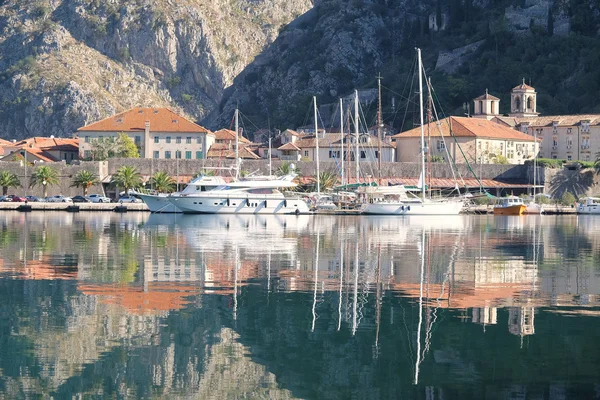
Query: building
<point x="224" y="146"/>
<point x="41" y="149"/>
<point x="157" y="132"/>
<point x="480" y="140"/>
<point x="567" y="137"/>
<point x="331" y="148"/>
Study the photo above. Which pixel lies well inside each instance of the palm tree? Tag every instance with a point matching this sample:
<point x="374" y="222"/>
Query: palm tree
<point x="127" y="178"/>
<point x="162" y="182"/>
<point x="8" y="180"/>
<point x="85" y="179"/>
<point x="597" y="163"/>
<point x="44" y="175"/>
<point x="327" y="180"/>
<point x="287" y="168"/>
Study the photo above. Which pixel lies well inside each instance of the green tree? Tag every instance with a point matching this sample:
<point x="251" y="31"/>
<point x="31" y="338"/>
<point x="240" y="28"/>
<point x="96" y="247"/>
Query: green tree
<point x="162" y="182"/>
<point x="287" y="168"/>
<point x="567" y="199"/>
<point x="121" y="146"/>
<point x="597" y="164"/>
<point x="85" y="179"/>
<point x="327" y="180"/>
<point x="8" y="180"/>
<point x="127" y="178"/>
<point x="44" y="175"/>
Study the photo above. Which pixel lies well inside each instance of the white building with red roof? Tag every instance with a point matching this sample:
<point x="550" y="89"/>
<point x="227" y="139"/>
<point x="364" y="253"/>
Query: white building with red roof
<point x="42" y="149"/>
<point x="157" y="132"/>
<point x="480" y="140"/>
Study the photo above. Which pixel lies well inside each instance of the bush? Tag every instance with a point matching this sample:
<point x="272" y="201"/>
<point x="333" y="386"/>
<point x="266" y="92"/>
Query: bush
<point x="123" y="54"/>
<point x="546" y="163"/>
<point x="567" y="199"/>
<point x="186" y="97"/>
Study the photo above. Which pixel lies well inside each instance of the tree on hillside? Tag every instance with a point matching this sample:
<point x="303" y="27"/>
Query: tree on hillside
<point x="162" y="182"/>
<point x="121" y="146"/>
<point x="8" y="180"/>
<point x="44" y="175"/>
<point x="127" y="178"/>
<point x="85" y="179"/>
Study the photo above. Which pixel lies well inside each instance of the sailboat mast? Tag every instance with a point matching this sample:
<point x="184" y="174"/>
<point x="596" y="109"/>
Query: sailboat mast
<point x="356" y="155"/>
<point x="237" y="146"/>
<point x="423" y="171"/>
<point x="429" y="105"/>
<point x="342" y="137"/>
<point x="317" y="146"/>
<point x="379" y="125"/>
<point x="534" y="162"/>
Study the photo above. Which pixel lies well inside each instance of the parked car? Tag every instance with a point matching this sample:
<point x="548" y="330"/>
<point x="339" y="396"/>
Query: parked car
<point x="129" y="199"/>
<point x="5" y="198"/>
<point x="19" y="199"/>
<point x="34" y="199"/>
<point x="98" y="198"/>
<point x="81" y="199"/>
<point x="59" y="198"/>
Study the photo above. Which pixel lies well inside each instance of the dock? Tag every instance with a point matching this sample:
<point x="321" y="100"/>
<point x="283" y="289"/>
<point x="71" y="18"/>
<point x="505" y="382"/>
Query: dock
<point x="73" y="207"/>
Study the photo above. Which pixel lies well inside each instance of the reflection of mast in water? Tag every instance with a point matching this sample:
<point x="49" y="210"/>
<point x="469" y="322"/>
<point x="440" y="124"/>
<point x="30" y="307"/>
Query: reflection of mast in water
<point x="341" y="284"/>
<point x="355" y="300"/>
<point x="418" y="362"/>
<point x="314" y="306"/>
<point x="378" y="302"/>
<point x="236" y="265"/>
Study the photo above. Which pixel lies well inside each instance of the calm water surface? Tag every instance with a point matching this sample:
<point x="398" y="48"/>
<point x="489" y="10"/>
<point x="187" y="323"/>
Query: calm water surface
<point x="139" y="306"/>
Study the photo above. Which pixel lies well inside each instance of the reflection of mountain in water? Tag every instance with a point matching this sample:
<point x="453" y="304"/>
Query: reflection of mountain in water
<point x="291" y="307"/>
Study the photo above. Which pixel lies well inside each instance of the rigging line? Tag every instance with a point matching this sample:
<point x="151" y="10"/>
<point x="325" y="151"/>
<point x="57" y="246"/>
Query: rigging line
<point x="411" y="90"/>
<point x="249" y="120"/>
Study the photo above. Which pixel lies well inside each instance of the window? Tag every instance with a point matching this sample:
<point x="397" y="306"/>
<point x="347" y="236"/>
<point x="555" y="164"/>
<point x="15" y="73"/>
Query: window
<point x="156" y="154"/>
<point x="305" y="153"/>
<point x="155" y="139"/>
<point x="168" y="139"/>
<point x="441" y="145"/>
<point x="377" y="154"/>
<point x="167" y="155"/>
<point x="178" y="139"/>
<point x="334" y="154"/>
<point x="188" y="140"/>
<point x="188" y="155"/>
<point x="87" y="139"/>
<point x="569" y="157"/>
<point x="138" y="140"/>
<point x="199" y="140"/>
<point x="363" y="154"/>
<point x="198" y="155"/>
<point x="87" y="154"/>
<point x="554" y="141"/>
<point x="178" y="154"/>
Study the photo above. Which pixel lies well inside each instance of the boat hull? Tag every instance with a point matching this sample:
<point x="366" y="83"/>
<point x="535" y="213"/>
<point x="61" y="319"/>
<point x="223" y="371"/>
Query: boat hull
<point x="584" y="209"/>
<point x="158" y="204"/>
<point x="534" y="208"/>
<point x="401" y="208"/>
<point x="239" y="205"/>
<point x="517" y="209"/>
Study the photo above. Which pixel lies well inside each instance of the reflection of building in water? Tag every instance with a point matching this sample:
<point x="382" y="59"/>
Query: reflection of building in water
<point x="521" y="320"/>
<point x="485" y="315"/>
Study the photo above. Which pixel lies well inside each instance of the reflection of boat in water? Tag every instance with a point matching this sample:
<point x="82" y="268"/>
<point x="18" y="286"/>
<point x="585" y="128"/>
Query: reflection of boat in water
<point x="511" y="205"/>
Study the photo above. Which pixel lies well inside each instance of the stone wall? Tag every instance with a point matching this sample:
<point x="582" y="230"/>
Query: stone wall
<point x="187" y="168"/>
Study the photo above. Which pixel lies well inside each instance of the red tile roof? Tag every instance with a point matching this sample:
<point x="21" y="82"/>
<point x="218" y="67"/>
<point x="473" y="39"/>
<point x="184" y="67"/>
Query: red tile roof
<point x="225" y="150"/>
<point x="289" y="146"/>
<point x="523" y="86"/>
<point x="226" y="134"/>
<point x="134" y="120"/>
<point x="469" y="127"/>
<point x="486" y="96"/>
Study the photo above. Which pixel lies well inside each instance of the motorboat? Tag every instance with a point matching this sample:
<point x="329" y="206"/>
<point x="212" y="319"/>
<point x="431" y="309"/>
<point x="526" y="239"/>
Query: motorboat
<point x="246" y="196"/>
<point x="159" y="203"/>
<point x="589" y="205"/>
<point x="510" y="205"/>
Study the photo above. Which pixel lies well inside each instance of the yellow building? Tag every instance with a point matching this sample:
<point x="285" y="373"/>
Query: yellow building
<point x="157" y="132"/>
<point x="480" y="140"/>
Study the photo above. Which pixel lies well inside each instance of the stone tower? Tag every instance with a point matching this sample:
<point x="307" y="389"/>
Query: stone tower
<point x="523" y="101"/>
<point x="486" y="106"/>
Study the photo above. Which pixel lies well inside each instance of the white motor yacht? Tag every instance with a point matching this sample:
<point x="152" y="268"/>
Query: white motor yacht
<point x="248" y="196"/>
<point x="589" y="205"/>
<point x="397" y="200"/>
<point x="159" y="203"/>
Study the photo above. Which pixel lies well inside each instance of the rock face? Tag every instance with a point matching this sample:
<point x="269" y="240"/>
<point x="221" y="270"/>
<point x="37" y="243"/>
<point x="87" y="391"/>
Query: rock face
<point x="66" y="63"/>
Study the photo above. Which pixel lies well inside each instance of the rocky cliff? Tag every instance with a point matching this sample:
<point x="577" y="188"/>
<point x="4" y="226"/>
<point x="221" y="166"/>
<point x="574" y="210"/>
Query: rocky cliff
<point x="66" y="63"/>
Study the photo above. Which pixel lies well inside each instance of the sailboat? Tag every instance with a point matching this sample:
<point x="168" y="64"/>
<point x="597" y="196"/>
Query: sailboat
<point x="398" y="200"/>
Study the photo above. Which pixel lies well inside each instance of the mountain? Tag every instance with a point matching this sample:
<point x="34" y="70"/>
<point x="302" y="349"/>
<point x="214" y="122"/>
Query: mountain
<point x="65" y="63"/>
<point x="467" y="46"/>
